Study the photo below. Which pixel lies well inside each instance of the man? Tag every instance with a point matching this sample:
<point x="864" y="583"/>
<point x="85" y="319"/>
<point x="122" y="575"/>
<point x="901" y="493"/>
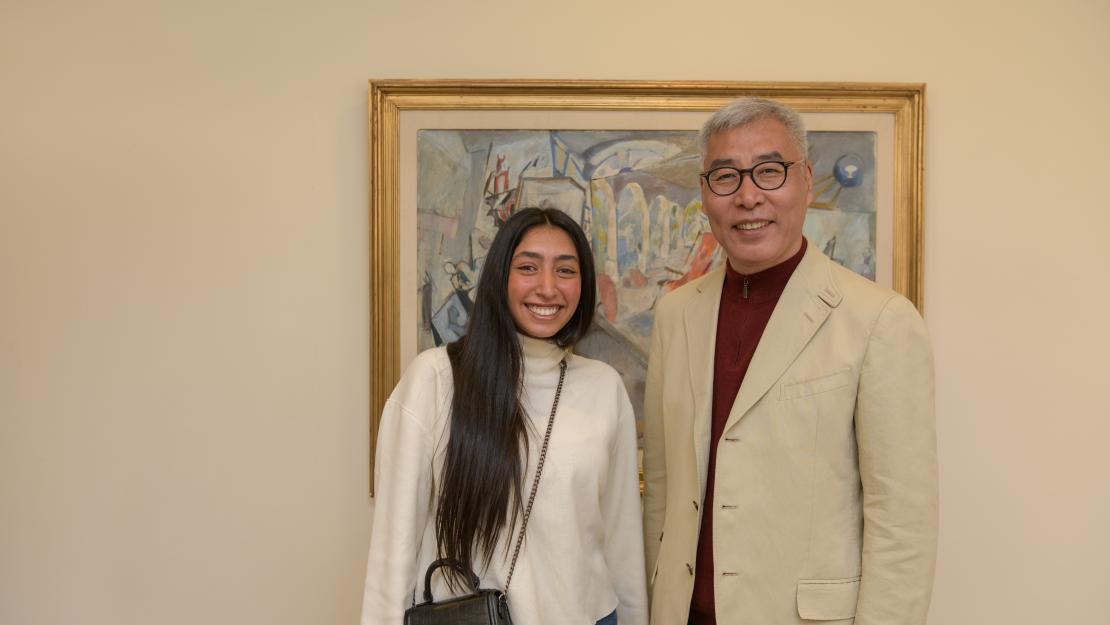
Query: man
<point x="790" y="447"/>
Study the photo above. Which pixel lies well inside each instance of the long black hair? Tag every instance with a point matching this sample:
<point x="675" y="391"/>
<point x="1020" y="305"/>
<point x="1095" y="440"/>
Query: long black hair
<point x="480" y="488"/>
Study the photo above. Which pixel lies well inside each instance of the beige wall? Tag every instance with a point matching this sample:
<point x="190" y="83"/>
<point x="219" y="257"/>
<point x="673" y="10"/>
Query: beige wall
<point x="183" y="271"/>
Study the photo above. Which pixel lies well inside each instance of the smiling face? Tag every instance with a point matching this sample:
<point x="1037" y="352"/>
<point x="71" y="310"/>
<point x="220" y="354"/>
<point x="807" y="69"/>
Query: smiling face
<point x="544" y="282"/>
<point x="758" y="229"/>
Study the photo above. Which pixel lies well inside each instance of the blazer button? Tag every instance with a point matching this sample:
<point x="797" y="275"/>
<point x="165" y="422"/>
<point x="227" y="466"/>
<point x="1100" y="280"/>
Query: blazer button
<point x="695" y="504"/>
<point x="689" y="568"/>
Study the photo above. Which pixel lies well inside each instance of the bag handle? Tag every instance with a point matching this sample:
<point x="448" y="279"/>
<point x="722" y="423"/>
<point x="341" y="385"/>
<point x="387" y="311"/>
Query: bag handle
<point x="455" y="564"/>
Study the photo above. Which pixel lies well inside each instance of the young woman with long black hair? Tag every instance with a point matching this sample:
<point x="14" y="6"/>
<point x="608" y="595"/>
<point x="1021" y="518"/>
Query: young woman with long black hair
<point x="460" y="440"/>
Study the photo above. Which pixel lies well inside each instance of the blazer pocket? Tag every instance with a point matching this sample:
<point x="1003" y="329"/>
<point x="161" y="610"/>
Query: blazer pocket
<point x="827" y="599"/>
<point x="823" y="384"/>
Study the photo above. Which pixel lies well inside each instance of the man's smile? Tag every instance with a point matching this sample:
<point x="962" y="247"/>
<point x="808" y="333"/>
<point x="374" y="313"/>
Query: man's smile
<point x="753" y="225"/>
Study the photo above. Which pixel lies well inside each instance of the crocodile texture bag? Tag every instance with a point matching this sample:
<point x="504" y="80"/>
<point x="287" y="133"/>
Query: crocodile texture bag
<point x="483" y="607"/>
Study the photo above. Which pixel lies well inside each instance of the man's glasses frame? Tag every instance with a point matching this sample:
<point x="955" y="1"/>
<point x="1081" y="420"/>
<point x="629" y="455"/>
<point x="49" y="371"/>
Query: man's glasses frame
<point x="751" y="172"/>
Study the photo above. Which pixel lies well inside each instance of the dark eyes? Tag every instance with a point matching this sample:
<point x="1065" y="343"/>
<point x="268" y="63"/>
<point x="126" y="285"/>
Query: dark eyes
<point x="567" y="270"/>
<point x="763" y="170"/>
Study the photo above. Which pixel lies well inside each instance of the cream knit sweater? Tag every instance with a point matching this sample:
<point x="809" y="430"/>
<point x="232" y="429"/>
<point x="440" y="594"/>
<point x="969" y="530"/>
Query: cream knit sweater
<point x="582" y="555"/>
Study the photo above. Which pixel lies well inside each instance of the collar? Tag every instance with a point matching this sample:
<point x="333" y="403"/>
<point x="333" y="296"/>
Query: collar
<point x="764" y="285"/>
<point x="540" y="355"/>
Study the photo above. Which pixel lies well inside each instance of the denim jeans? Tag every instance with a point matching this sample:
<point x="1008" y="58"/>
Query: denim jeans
<point x="609" y="620"/>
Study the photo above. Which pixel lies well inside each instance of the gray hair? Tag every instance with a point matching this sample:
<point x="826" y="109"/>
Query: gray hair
<point x="744" y="111"/>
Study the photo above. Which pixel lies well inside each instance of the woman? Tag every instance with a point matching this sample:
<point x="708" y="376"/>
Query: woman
<point x="460" y="440"/>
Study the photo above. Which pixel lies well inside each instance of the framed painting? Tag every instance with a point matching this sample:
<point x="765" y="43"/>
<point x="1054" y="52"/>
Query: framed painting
<point x="450" y="160"/>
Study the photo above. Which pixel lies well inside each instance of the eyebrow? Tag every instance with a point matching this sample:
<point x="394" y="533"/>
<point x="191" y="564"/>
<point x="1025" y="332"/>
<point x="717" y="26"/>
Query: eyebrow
<point x="539" y="256"/>
<point x="774" y="155"/>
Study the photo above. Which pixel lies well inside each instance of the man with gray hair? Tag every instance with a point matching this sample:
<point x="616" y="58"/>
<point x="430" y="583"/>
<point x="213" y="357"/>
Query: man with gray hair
<point x="790" y="447"/>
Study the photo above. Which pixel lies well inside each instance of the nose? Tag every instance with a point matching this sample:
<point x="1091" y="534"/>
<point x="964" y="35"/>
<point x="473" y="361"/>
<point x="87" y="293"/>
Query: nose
<point x="748" y="196"/>
<point x="546" y="283"/>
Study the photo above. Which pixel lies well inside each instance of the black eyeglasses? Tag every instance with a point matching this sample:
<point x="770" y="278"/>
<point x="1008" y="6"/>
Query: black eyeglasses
<point x="768" y="175"/>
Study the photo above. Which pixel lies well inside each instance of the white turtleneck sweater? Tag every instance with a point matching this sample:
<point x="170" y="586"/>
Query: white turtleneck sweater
<point x="583" y="549"/>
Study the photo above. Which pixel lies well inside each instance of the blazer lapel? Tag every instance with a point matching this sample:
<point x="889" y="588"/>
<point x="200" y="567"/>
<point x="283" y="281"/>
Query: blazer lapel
<point x="805" y="303"/>
<point x="700" y="319"/>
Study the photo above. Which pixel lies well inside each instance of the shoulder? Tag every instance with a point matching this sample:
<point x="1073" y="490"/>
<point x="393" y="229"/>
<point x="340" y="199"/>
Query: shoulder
<point x="592" y="369"/>
<point x="432" y="362"/>
<point x="673" y="303"/>
<point x="598" y="391"/>
<point x="850" y="292"/>
<point x="597" y="379"/>
<point x="427" y="376"/>
<point x="875" y="307"/>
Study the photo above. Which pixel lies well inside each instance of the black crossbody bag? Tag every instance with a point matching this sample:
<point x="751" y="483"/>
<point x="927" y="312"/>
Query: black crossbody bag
<point x="483" y="606"/>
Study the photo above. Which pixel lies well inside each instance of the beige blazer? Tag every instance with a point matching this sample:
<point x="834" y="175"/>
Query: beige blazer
<point x="826" y="489"/>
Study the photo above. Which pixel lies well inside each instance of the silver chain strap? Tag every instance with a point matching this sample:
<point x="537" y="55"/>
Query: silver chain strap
<point x="539" y="470"/>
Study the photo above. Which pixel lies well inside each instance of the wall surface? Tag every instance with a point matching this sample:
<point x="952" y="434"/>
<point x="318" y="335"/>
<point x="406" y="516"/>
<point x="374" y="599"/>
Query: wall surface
<point x="183" y="280"/>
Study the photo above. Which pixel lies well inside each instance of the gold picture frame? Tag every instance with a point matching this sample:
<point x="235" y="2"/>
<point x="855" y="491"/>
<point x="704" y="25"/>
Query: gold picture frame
<point x="398" y="108"/>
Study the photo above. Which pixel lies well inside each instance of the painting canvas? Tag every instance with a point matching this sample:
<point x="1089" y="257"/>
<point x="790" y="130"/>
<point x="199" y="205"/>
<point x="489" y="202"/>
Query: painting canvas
<point x="636" y="195"/>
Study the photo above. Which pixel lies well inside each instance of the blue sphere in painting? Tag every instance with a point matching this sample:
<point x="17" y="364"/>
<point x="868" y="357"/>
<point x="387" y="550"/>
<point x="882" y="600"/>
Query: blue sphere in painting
<point x="848" y="170"/>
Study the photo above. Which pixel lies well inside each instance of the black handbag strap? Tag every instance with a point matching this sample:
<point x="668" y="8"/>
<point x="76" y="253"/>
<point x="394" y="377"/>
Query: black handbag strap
<point x="539" y="470"/>
<point x="455" y="564"/>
